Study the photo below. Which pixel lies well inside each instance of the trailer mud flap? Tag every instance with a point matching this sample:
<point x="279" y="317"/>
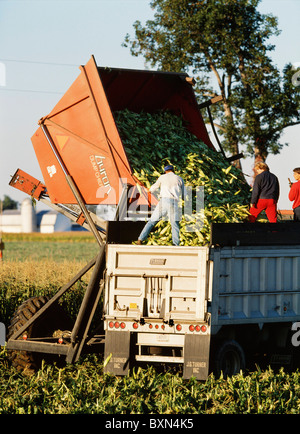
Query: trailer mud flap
<point x="117" y="349"/>
<point x="196" y="356"/>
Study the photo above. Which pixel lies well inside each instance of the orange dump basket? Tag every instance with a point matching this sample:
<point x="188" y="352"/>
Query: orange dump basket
<point x="79" y="137"/>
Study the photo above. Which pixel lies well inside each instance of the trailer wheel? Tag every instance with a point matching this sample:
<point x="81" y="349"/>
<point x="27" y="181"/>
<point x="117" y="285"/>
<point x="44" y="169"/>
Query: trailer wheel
<point x="54" y="319"/>
<point x="229" y="358"/>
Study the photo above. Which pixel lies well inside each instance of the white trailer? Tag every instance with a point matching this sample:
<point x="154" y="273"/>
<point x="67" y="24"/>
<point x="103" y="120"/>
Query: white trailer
<point x="201" y="308"/>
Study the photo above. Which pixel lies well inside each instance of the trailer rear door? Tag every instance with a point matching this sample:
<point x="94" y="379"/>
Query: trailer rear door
<point x="156" y="282"/>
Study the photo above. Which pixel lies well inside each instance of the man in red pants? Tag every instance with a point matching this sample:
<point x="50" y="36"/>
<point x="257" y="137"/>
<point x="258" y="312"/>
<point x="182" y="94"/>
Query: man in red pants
<point x="265" y="194"/>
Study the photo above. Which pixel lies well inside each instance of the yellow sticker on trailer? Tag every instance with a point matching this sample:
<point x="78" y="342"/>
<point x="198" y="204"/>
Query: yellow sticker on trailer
<point x="132" y="306"/>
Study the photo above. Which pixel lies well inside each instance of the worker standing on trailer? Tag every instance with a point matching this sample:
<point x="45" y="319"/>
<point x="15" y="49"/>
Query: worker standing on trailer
<point x="294" y="194"/>
<point x="265" y="194"/>
<point x="172" y="189"/>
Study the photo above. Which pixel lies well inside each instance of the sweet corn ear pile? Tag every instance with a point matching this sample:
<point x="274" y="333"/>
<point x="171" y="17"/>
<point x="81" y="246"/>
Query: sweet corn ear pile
<point x="153" y="140"/>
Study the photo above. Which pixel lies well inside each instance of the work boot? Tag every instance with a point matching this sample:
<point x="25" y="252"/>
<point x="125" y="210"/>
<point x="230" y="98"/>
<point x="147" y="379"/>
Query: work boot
<point x="139" y="242"/>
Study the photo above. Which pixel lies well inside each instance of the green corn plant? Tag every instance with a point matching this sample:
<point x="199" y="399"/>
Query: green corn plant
<point x="152" y="140"/>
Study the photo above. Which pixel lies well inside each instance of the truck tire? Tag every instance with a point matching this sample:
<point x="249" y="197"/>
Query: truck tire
<point x="54" y="319"/>
<point x="229" y="359"/>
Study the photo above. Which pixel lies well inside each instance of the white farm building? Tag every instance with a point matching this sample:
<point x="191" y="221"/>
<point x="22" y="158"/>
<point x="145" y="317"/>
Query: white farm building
<point x="27" y="220"/>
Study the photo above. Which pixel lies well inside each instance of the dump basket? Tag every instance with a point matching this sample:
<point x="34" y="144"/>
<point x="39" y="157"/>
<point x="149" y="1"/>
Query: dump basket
<point x="79" y="137"/>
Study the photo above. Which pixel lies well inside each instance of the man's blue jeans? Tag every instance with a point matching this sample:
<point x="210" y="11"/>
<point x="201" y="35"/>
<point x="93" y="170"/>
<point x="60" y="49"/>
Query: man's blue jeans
<point x="165" y="208"/>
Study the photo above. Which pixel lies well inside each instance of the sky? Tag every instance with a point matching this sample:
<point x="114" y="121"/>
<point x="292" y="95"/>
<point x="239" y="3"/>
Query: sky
<point x="43" y="43"/>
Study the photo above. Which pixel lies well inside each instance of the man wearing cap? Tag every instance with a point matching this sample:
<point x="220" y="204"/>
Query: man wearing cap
<point x="171" y="191"/>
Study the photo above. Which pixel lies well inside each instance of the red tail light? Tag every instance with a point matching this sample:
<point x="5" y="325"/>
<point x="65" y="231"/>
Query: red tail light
<point x="198" y="328"/>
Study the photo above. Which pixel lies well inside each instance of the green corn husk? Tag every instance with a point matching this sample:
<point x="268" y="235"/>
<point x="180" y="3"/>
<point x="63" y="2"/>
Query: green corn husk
<point x="153" y="140"/>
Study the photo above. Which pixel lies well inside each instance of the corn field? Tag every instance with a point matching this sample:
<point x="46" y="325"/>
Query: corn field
<point x="84" y="388"/>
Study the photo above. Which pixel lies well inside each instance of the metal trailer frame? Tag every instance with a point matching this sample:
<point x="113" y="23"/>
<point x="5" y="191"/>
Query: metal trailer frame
<point x="73" y="346"/>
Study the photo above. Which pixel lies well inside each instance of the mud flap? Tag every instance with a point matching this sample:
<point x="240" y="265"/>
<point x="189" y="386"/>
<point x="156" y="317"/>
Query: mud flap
<point x="196" y="356"/>
<point x="117" y="349"/>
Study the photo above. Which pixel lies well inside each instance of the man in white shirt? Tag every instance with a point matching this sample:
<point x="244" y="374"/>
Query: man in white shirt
<point x="171" y="191"/>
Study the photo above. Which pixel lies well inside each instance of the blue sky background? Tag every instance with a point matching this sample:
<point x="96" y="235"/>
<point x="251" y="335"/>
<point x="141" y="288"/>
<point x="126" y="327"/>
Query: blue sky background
<point x="43" y="42"/>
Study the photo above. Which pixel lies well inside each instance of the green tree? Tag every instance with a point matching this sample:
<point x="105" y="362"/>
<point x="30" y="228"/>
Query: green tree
<point x="224" y="43"/>
<point x="8" y="203"/>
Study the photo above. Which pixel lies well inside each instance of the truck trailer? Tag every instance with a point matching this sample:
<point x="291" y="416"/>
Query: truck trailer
<point x="198" y="309"/>
<point x="212" y="308"/>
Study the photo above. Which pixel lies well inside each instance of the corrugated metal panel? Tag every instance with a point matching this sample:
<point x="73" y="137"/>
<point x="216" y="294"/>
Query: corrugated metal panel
<point x="256" y="284"/>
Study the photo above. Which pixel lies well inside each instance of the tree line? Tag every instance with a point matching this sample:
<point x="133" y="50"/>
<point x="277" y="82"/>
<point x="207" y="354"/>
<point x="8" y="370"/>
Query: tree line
<point x="225" y="44"/>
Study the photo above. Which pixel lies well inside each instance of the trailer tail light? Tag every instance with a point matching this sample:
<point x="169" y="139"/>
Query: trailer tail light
<point x="135" y="325"/>
<point x="178" y="327"/>
<point x="25" y="336"/>
<point x="198" y="328"/>
<point x="116" y="325"/>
